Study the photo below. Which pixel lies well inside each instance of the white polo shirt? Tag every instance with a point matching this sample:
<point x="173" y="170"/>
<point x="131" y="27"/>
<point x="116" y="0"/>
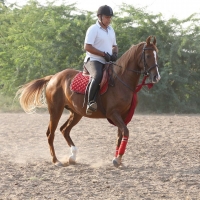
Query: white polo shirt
<point x="100" y="39"/>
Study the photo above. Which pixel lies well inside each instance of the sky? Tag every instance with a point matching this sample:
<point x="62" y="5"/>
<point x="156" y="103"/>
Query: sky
<point x="180" y="9"/>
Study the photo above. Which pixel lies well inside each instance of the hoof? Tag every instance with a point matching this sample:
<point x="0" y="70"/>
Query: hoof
<point x="58" y="164"/>
<point x="72" y="160"/>
<point x="116" y="162"/>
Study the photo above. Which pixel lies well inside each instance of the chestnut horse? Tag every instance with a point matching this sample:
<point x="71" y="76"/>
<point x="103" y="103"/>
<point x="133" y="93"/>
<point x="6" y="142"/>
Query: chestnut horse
<point x="140" y="59"/>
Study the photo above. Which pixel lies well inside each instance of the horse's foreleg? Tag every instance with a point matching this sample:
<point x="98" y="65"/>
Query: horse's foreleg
<point x="123" y="135"/>
<point x="65" y="129"/>
<point x="120" y="150"/>
<point x="119" y="139"/>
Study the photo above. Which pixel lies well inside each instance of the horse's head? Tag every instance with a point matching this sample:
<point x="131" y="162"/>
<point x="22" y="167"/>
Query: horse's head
<point x="149" y="58"/>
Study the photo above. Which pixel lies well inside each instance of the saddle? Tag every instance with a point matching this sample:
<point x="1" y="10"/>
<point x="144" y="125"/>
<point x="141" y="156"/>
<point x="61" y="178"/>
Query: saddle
<point x="81" y="81"/>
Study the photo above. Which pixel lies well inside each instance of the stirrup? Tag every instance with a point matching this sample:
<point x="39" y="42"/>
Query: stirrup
<point x="91" y="107"/>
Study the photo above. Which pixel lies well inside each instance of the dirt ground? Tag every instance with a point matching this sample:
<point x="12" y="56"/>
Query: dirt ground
<point x="162" y="160"/>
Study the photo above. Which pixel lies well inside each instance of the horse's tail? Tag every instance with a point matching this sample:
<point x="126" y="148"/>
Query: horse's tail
<point x="32" y="94"/>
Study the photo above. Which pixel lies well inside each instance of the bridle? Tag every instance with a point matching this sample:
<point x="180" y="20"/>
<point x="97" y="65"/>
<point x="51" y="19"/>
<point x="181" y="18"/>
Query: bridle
<point x="147" y="69"/>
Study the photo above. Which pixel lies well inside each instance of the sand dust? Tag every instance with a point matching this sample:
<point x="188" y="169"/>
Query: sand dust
<point x="162" y="160"/>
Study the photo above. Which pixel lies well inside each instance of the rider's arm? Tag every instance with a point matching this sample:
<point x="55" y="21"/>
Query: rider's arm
<point x="93" y="50"/>
<point x="115" y="49"/>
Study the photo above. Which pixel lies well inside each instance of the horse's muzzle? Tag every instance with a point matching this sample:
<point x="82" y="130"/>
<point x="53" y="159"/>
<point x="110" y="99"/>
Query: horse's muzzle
<point x="154" y="78"/>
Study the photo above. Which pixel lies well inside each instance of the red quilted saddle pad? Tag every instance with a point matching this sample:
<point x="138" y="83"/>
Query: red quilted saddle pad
<point x="80" y="82"/>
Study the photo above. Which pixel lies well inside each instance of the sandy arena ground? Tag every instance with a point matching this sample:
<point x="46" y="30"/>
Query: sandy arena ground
<point x="162" y="160"/>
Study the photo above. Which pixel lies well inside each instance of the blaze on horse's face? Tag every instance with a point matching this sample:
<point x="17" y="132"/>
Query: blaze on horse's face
<point x="149" y="60"/>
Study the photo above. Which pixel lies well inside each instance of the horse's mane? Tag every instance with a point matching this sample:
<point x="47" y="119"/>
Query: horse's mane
<point x="124" y="59"/>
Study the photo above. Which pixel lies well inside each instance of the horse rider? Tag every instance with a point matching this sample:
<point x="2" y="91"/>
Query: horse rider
<point x="101" y="47"/>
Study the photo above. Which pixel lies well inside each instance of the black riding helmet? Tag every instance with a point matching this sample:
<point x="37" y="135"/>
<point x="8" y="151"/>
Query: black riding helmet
<point x="105" y="10"/>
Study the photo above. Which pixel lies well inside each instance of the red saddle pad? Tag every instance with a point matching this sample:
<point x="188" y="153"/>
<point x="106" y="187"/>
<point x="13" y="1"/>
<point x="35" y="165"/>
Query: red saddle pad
<point x="80" y="82"/>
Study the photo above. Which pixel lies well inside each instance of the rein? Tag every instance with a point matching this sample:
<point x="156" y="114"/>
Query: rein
<point x="138" y="87"/>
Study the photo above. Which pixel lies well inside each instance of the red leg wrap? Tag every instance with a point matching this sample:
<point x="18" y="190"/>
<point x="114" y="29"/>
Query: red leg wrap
<point x="116" y="152"/>
<point x="123" y="145"/>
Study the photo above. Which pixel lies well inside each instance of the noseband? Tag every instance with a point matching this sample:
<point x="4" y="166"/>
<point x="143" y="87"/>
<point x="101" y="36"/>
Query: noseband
<point x="147" y="69"/>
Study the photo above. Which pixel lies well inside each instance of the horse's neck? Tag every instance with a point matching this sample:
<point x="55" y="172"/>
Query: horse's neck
<point x="129" y="77"/>
<point x="132" y="77"/>
<point x="129" y="63"/>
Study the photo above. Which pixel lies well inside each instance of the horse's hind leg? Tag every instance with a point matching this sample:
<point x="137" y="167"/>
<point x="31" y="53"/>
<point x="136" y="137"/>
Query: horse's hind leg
<point x="54" y="119"/>
<point x="73" y="119"/>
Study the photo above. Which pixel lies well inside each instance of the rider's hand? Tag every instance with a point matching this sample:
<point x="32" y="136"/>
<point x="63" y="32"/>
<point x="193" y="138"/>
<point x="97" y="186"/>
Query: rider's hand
<point x="107" y="57"/>
<point x="114" y="57"/>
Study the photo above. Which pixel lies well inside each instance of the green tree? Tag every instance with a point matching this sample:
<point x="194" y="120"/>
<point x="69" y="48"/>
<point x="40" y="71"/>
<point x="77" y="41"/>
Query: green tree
<point x="43" y="40"/>
<point x="38" y="40"/>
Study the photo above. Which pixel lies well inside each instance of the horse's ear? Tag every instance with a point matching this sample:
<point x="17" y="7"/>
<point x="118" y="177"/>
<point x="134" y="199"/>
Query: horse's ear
<point x="148" y="40"/>
<point x="151" y="40"/>
<point x="154" y="40"/>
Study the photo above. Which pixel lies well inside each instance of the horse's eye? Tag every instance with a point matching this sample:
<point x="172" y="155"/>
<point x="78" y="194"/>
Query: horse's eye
<point x="148" y="56"/>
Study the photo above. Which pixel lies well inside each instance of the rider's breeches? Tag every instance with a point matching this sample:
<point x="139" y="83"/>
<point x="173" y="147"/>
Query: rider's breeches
<point x="95" y="69"/>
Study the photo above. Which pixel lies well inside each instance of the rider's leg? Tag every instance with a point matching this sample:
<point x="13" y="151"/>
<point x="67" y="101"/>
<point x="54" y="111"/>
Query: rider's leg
<point x="95" y="69"/>
<point x="92" y="91"/>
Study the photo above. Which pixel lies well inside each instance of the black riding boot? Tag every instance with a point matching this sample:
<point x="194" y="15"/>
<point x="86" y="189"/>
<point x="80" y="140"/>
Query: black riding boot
<point x="92" y="92"/>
